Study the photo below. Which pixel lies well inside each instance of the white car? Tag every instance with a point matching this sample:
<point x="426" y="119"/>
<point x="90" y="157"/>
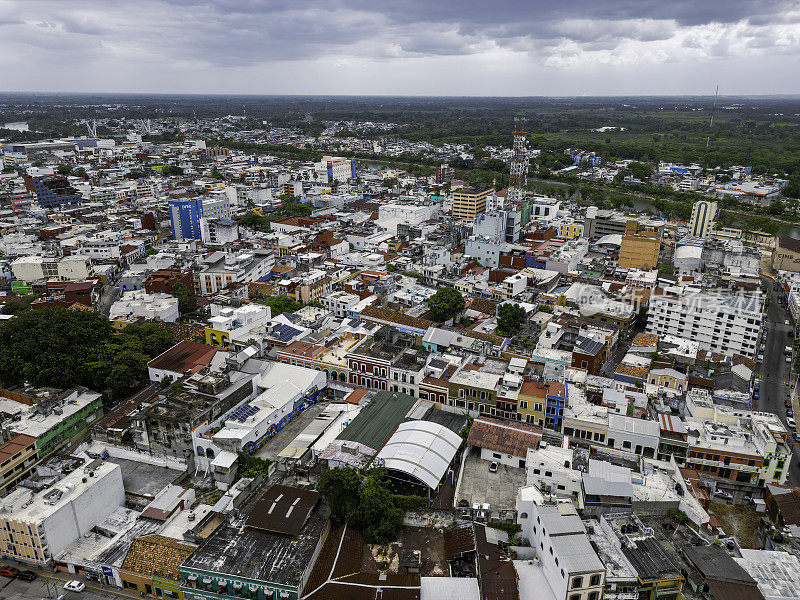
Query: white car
<point x="790" y="422"/>
<point x="74" y="586"/>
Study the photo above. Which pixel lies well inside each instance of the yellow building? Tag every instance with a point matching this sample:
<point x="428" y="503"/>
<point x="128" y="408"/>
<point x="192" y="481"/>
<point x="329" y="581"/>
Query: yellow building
<point x="470" y="202"/>
<point x="570" y="230"/>
<point x="668" y="378"/>
<point x="218" y="337"/>
<point x="531" y="403"/>
<point x="640" y="246"/>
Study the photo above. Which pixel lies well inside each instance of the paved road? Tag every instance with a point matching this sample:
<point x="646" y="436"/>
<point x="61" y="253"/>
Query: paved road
<point x="107" y="297"/>
<point x="775" y="372"/>
<point x="50" y="585"/>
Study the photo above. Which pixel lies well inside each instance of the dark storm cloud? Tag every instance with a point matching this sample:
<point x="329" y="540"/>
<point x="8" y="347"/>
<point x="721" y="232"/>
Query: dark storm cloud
<point x="189" y="36"/>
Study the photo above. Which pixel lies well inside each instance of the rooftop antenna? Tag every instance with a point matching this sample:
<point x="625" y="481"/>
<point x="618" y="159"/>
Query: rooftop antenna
<point x="713" y="110"/>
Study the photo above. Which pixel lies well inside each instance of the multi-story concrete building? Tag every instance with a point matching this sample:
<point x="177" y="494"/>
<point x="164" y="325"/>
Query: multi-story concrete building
<point x="640" y="247"/>
<point x="703" y="214"/>
<point x="53" y="420"/>
<point x="718" y="322"/>
<point x="600" y="223"/>
<point x="36" y="268"/>
<point x="468" y="203"/>
<point x="313" y="287"/>
<point x="223" y="268"/>
<point x="138" y="303"/>
<point x="408" y="371"/>
<point x="474" y="391"/>
<point x="17" y="458"/>
<point x="544" y="209"/>
<point x="335" y="168"/>
<point x="786" y="255"/>
<point x="723" y="452"/>
<point x="52" y="191"/>
<point x="339" y="303"/>
<point x="232" y="327"/>
<point x="165" y="425"/>
<point x="370" y="360"/>
<point x="186" y="214"/>
<point x="569" y="229"/>
<point x="569" y="563"/>
<point x="37" y="526"/>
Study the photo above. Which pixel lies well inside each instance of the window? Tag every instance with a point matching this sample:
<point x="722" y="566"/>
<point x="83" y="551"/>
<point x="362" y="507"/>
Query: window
<point x="575" y="597"/>
<point x="577" y="582"/>
<point x="496" y="455"/>
<point x="595" y="580"/>
<point x="592" y="595"/>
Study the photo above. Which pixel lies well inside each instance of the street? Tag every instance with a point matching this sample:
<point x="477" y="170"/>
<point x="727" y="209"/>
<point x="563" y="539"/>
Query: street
<point x="108" y="296"/>
<point x="775" y="372"/>
<point x="51" y="585"/>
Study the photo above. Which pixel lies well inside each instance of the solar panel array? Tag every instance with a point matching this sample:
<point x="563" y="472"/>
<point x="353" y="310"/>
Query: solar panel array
<point x="284" y="333"/>
<point x="243" y="412"/>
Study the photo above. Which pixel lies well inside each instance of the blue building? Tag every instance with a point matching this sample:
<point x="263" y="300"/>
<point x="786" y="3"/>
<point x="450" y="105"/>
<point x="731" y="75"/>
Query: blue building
<point x="52" y="191"/>
<point x="556" y="400"/>
<point x="184" y="215"/>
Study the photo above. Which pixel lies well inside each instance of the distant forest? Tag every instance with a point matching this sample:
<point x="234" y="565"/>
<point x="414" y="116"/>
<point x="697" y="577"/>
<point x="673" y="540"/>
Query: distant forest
<point x="761" y="132"/>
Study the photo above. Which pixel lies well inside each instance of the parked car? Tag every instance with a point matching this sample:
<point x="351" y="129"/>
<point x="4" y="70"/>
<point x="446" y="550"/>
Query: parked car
<point x="27" y="575"/>
<point x="9" y="572"/>
<point x="493" y="467"/>
<point x="756" y="384"/>
<point x="722" y="495"/>
<point x="74" y="586"/>
<point x="786" y="321"/>
<point x="755" y="394"/>
<point x="790" y="422"/>
<point x="789" y="412"/>
<point x="796" y="437"/>
<point x="787" y="403"/>
<point x="788" y="359"/>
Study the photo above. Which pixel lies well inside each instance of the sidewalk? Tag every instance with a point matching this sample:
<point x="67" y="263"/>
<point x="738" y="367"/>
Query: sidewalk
<point x="65" y="577"/>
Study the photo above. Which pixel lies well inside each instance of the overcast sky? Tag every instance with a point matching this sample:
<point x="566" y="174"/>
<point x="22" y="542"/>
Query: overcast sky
<point x="406" y="47"/>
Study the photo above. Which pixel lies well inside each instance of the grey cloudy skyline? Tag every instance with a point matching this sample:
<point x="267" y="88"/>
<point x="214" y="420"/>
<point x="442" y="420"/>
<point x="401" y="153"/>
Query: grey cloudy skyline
<point x="413" y="47"/>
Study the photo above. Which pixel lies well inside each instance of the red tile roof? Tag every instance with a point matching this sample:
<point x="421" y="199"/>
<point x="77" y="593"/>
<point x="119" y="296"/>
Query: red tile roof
<point x="506" y="437"/>
<point x="184" y="356"/>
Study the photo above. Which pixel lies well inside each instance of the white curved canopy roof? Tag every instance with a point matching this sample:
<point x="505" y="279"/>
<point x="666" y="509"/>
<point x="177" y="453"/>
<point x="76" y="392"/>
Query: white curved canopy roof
<point x="421" y="449"/>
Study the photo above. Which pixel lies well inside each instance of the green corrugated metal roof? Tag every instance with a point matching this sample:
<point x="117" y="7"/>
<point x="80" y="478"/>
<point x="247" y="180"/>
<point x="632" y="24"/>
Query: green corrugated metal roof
<point x="377" y="421"/>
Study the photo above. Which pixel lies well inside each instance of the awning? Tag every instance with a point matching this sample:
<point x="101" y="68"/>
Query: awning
<point x="237" y="585"/>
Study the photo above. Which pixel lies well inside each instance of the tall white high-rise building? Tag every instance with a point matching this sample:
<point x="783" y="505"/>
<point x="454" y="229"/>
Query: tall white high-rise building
<point x="703" y="214"/>
<point x="719" y="322"/>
